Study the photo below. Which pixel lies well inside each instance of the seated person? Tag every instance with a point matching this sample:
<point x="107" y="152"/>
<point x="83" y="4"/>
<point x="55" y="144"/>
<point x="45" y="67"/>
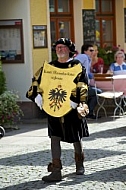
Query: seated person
<point x="119" y="67"/>
<point x="85" y="58"/>
<point x="92" y="99"/>
<point x="97" y="63"/>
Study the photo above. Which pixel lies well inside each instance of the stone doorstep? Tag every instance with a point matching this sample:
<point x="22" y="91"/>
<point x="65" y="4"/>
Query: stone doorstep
<point x="32" y="112"/>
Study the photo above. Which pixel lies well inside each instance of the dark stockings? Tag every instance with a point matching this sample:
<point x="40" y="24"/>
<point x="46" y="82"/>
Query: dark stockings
<point x="55" y="147"/>
<point x="78" y="147"/>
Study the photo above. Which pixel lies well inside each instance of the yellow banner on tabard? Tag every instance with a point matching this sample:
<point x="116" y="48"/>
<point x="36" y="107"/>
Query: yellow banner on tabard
<point x="57" y="85"/>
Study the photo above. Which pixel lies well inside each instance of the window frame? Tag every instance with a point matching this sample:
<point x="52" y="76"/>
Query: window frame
<point x="106" y="16"/>
<point x="63" y="13"/>
<point x="64" y="16"/>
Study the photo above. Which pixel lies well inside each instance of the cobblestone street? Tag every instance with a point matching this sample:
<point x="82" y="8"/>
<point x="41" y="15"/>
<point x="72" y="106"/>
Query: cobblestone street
<point x="25" y="154"/>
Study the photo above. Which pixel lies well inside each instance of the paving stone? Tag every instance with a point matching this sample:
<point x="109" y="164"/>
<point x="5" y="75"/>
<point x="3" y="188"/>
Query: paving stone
<point x="25" y="154"/>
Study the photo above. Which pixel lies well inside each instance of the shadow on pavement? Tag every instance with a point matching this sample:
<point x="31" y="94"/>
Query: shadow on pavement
<point x="26" y="127"/>
<point x="31" y="159"/>
<point x="116" y="132"/>
<point x="110" y="175"/>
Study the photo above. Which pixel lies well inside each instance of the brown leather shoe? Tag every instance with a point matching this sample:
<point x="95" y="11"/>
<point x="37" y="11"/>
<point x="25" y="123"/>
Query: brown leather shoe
<point x="55" y="176"/>
<point x="79" y="159"/>
<point x="80" y="168"/>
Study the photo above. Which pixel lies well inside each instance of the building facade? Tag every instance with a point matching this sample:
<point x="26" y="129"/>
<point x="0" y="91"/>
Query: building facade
<point x="29" y="27"/>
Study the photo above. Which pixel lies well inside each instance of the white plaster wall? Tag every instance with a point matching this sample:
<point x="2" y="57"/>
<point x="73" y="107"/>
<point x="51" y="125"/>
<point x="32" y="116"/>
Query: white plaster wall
<point x="78" y="26"/>
<point x="18" y="76"/>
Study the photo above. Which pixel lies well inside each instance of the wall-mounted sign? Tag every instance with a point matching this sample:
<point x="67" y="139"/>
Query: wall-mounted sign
<point x="40" y="36"/>
<point x="89" y="29"/>
<point x="11" y="41"/>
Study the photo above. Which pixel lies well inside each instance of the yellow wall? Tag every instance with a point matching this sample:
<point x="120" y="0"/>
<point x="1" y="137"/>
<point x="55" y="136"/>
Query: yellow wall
<point x="38" y="14"/>
<point x="88" y="4"/>
<point x="124" y="1"/>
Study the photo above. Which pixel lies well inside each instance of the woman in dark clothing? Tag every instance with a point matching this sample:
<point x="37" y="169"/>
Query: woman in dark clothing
<point x="97" y="63"/>
<point x="71" y="127"/>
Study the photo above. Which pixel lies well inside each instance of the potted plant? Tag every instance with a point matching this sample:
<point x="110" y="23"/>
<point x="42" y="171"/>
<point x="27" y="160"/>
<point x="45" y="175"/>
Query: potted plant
<point x="107" y="54"/>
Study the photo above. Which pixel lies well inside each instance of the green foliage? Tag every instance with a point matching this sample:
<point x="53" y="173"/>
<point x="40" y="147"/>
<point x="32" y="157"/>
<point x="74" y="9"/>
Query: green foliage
<point x="2" y="80"/>
<point x="103" y="55"/>
<point x="54" y="56"/>
<point x="9" y="109"/>
<point x="107" y="53"/>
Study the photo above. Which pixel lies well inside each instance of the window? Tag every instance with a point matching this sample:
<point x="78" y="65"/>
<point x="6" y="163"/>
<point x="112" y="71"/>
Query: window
<point x="58" y="6"/>
<point x="61" y="19"/>
<point x="105" y="22"/>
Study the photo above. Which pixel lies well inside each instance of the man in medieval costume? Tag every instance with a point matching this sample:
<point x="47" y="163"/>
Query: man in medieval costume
<point x="71" y="125"/>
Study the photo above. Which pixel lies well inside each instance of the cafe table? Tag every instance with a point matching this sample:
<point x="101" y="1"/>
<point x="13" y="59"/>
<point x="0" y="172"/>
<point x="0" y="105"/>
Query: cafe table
<point x="119" y="85"/>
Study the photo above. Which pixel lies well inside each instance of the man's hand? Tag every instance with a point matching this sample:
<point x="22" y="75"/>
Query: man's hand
<point x="73" y="104"/>
<point x="38" y="101"/>
<point x="83" y="109"/>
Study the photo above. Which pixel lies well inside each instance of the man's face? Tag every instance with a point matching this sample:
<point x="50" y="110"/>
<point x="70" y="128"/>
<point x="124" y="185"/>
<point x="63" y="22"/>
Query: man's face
<point x="62" y="51"/>
<point x="89" y="52"/>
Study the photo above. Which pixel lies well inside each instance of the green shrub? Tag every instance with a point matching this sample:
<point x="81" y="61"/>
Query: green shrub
<point x="9" y="109"/>
<point x="2" y="79"/>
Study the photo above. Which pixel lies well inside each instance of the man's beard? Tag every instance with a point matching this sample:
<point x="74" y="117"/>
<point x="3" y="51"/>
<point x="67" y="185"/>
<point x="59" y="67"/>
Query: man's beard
<point x="61" y="55"/>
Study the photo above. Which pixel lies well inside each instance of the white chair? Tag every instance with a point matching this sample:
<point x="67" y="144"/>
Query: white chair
<point x="108" y="93"/>
<point x="124" y="104"/>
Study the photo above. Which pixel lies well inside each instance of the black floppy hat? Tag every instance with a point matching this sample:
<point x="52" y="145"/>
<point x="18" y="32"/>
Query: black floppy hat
<point x="67" y="42"/>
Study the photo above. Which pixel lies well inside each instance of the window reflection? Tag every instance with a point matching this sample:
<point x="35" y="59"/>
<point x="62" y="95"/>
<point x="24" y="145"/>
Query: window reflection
<point x="53" y="31"/>
<point x="51" y="6"/>
<point x="97" y="31"/>
<point x="64" y="29"/>
<point x="61" y="29"/>
<point x="106" y="5"/>
<point x="97" y="6"/>
<point x="106" y="28"/>
<point x="63" y="5"/>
